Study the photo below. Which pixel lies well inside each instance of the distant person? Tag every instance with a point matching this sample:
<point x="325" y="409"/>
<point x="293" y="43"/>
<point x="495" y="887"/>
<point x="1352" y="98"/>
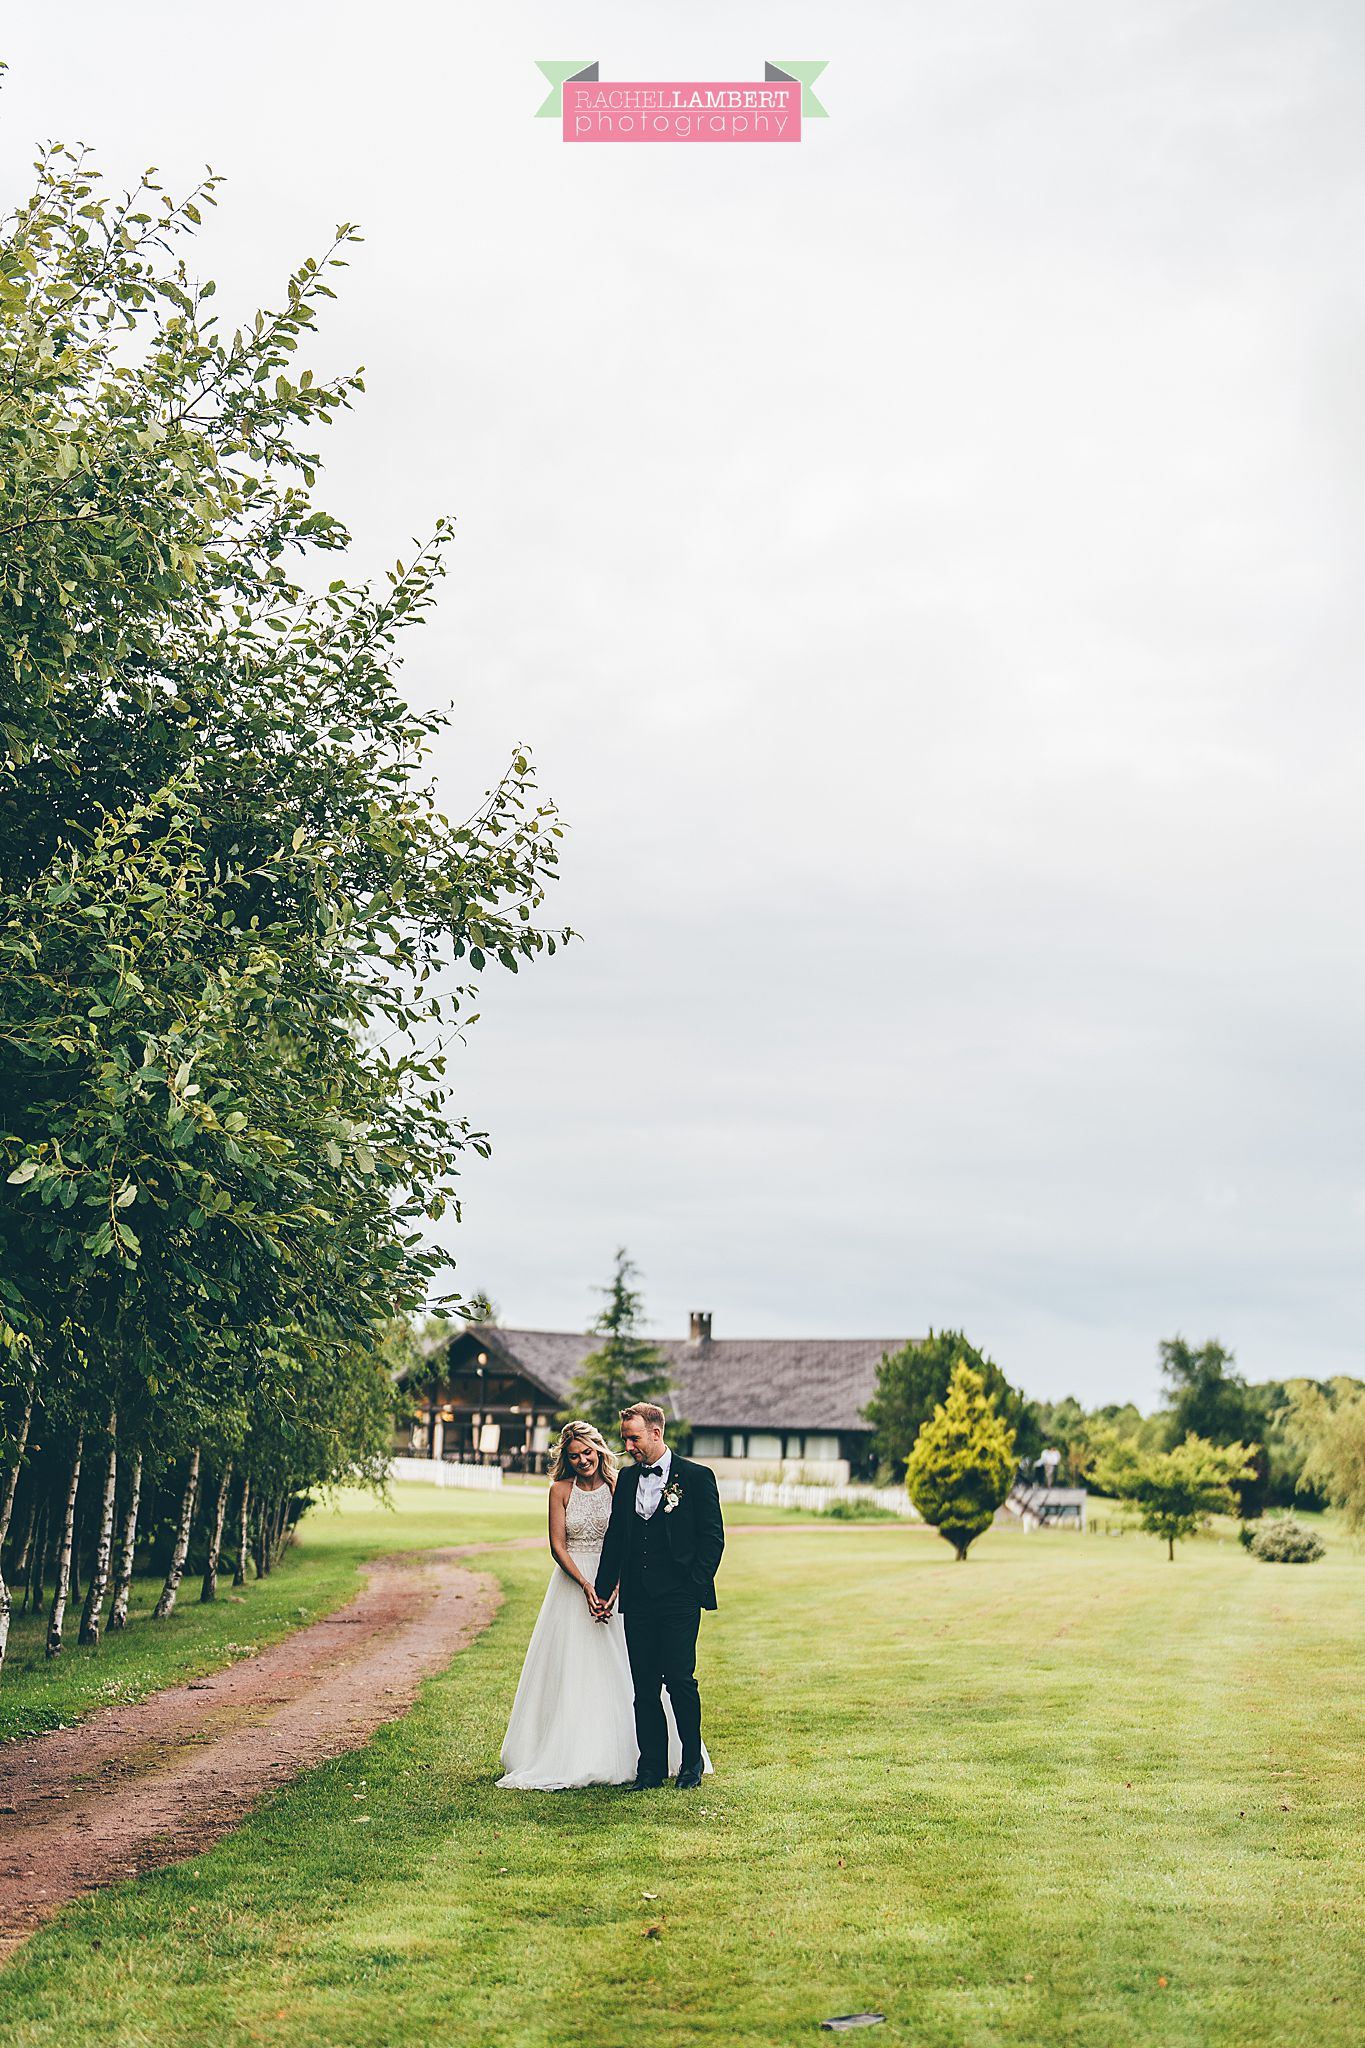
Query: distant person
<point x="662" y="1547"/>
<point x="572" y="1721"/>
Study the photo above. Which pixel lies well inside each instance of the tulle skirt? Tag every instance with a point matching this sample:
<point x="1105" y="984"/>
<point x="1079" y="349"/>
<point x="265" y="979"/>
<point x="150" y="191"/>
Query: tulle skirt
<point x="573" y="1718"/>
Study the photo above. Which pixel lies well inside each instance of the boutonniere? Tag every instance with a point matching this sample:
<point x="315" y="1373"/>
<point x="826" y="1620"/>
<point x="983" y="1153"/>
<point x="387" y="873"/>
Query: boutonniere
<point x="672" y="1494"/>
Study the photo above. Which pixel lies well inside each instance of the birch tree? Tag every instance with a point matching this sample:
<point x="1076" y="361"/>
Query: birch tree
<point x="238" y="934"/>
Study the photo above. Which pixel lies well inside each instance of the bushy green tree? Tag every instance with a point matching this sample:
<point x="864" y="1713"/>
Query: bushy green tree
<point x="625" y="1367"/>
<point x="913" y="1382"/>
<point x="1329" y="1425"/>
<point x="1176" y="1491"/>
<point x="963" y="1462"/>
<point x="229" y="902"/>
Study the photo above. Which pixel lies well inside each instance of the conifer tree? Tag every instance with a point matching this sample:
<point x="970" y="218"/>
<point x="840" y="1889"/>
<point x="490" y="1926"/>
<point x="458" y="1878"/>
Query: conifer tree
<point x="625" y="1367"/>
<point x="962" y="1465"/>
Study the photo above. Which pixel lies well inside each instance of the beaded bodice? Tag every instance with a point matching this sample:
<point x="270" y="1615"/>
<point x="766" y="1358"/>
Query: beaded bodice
<point x="586" y="1516"/>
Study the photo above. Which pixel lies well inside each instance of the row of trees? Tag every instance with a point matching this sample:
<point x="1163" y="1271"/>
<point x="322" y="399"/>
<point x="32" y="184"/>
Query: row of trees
<point x="236" y="931"/>
<point x="945" y="1415"/>
<point x="1294" y="1438"/>
<point x="964" y="1462"/>
<point x="1207" y="1397"/>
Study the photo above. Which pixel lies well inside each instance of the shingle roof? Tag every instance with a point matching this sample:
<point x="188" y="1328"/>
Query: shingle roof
<point x="808" y="1383"/>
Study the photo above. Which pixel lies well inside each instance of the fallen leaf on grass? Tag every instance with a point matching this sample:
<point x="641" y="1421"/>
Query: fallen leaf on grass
<point x="649" y="1895"/>
<point x="1163" y="1982"/>
<point x="654" y="1934"/>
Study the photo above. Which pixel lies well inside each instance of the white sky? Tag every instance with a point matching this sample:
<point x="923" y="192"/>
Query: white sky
<point x="924" y="563"/>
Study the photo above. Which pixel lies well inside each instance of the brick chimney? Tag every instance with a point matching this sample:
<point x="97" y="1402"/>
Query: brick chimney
<point x="699" y="1326"/>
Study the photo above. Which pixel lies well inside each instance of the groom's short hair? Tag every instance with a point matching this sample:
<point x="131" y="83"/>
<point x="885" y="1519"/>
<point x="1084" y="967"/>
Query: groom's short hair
<point x="648" y="1412"/>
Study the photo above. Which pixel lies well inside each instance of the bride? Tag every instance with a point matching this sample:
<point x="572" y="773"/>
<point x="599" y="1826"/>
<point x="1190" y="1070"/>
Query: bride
<point x="573" y="1719"/>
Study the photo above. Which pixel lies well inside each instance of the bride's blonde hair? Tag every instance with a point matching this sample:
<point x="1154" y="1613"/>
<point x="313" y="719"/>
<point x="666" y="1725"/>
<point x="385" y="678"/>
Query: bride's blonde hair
<point x="585" y="1433"/>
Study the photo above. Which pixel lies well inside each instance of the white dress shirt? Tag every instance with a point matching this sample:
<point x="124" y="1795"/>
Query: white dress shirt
<point x="649" y="1490"/>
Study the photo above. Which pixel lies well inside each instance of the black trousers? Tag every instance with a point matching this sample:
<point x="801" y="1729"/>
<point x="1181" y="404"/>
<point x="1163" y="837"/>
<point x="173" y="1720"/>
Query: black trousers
<point x="661" y="1642"/>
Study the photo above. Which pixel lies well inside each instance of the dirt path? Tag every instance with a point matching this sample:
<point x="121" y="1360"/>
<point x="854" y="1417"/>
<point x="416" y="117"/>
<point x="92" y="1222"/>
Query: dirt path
<point x="131" y="1788"/>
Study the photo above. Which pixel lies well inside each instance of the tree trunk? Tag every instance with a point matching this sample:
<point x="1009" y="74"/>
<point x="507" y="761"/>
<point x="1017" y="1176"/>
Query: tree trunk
<point x="47" y="1563"/>
<point x="20" y="1564"/>
<point x="64" y="1541"/>
<point x="1170" y="1548"/>
<point x="6" y="1510"/>
<point x="73" y="1585"/>
<point x="239" y="1572"/>
<point x="182" y="1543"/>
<point x="33" y="1591"/>
<point x="25" y="1551"/>
<point x="209" y="1589"/>
<point x="262" y="1541"/>
<point x="123" y="1586"/>
<point x="91" y="1619"/>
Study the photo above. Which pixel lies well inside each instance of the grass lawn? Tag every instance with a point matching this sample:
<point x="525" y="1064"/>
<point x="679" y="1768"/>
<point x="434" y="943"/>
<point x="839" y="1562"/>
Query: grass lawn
<point x="38" y="1692"/>
<point x="999" y="1802"/>
<point x="321" y="1573"/>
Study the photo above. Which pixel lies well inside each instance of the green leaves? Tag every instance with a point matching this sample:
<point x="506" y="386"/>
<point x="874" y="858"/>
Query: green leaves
<point x="1176" y="1490"/>
<point x="228" y="899"/>
<point x="962" y="1464"/>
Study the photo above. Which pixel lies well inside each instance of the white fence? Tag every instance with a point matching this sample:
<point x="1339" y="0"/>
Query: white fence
<point x="758" y="1493"/>
<point x="445" y="1472"/>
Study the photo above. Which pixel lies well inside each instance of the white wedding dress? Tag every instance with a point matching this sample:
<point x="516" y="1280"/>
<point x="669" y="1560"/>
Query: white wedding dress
<point x="573" y="1718"/>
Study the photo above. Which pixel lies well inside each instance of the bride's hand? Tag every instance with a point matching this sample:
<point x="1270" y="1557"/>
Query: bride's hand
<point x="594" y="1604"/>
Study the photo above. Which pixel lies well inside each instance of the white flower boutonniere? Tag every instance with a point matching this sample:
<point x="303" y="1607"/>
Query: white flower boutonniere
<point x="672" y="1494"/>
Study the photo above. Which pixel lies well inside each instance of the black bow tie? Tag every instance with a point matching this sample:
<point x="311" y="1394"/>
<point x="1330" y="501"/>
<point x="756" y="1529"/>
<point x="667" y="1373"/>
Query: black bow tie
<point x="653" y="1471"/>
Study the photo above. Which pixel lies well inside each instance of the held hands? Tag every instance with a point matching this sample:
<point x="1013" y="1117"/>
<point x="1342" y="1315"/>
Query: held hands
<point x="600" y="1610"/>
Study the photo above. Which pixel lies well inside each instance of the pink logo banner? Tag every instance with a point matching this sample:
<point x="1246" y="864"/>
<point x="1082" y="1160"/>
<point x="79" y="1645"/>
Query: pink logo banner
<point x="681" y="111"/>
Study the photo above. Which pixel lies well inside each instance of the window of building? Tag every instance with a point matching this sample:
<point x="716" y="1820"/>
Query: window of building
<point x="708" y="1443"/>
<point x="821" y="1449"/>
<point x="762" y="1445"/>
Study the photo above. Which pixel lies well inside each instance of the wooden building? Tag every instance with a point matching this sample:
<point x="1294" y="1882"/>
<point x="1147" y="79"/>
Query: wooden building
<point x="760" y="1407"/>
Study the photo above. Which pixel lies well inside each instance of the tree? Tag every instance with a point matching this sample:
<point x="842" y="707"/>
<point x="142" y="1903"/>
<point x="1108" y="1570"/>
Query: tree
<point x="913" y="1382"/>
<point x="1176" y="1491"/>
<point x="1211" y="1401"/>
<point x="229" y="903"/>
<point x="963" y="1462"/>
<point x="625" y="1367"/>
<point x="1329" y="1425"/>
<point x="1065" y="1427"/>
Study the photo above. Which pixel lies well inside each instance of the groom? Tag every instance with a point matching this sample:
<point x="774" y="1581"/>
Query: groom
<point x="661" y="1550"/>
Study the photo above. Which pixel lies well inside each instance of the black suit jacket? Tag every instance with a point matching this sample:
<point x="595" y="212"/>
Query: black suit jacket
<point x="694" y="1530"/>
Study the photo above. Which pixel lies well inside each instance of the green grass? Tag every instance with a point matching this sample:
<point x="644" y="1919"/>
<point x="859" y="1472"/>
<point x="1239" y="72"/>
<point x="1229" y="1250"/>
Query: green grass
<point x="999" y="1802"/>
<point x="38" y="1693"/>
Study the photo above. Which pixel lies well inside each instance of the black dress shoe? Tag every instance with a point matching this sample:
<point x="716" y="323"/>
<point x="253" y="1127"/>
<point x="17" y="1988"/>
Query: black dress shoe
<point x="645" y="1783"/>
<point x="688" y="1778"/>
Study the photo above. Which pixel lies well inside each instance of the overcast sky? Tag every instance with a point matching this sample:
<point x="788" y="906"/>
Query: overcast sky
<point x="925" y="564"/>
